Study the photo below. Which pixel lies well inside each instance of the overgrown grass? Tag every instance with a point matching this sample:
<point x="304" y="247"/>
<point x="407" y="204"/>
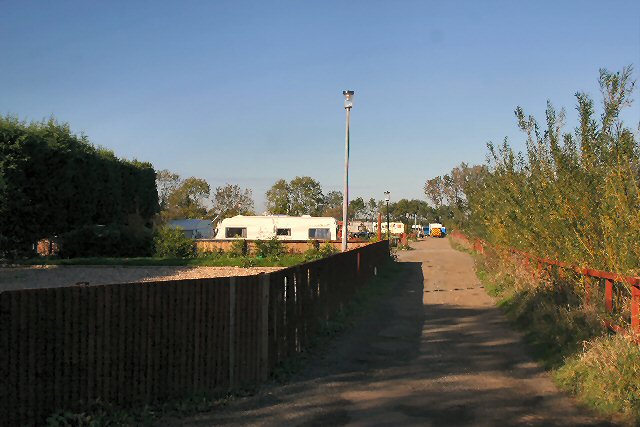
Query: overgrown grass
<point x="101" y="414"/>
<point x="602" y="370"/>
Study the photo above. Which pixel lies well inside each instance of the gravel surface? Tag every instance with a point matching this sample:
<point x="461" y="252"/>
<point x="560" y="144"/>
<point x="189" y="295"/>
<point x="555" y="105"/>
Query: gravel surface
<point x="52" y="276"/>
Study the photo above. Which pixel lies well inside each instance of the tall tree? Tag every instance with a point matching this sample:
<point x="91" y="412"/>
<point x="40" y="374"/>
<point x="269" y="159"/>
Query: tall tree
<point x="230" y="200"/>
<point x="333" y="204"/>
<point x="306" y="196"/>
<point x="357" y="208"/>
<point x="188" y="200"/>
<point x="166" y="183"/>
<point x="434" y="191"/>
<point x="278" y="199"/>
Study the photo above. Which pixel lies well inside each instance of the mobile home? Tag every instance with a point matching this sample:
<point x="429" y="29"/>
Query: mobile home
<point x="282" y="227"/>
<point x="396" y="227"/>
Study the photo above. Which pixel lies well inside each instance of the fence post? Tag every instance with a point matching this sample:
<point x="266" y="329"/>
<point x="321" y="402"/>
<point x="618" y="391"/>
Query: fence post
<point x="635" y="309"/>
<point x="232" y="331"/>
<point x="608" y="295"/>
<point x="264" y="328"/>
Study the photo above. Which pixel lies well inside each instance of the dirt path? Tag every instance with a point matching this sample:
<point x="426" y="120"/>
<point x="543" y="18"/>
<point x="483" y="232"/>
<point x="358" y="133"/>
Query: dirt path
<point x="436" y="353"/>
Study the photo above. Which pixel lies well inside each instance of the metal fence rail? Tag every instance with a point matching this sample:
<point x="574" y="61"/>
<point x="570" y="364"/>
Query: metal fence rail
<point x="145" y="342"/>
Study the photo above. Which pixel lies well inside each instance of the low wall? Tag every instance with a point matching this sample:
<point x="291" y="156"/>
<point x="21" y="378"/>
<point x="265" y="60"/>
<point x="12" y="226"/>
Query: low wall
<point x="291" y="246"/>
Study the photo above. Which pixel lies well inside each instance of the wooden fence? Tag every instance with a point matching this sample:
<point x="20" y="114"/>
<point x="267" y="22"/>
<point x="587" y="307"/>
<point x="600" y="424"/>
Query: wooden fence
<point x="146" y="342"/>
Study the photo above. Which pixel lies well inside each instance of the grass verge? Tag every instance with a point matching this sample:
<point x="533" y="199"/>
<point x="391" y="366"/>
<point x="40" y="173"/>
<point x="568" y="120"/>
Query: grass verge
<point x="600" y="369"/>
<point x="101" y="414"/>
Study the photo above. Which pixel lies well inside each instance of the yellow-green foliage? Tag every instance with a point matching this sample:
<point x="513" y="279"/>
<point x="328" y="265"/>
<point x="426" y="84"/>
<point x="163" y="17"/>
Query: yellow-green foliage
<point x="572" y="197"/>
<point x="606" y="375"/>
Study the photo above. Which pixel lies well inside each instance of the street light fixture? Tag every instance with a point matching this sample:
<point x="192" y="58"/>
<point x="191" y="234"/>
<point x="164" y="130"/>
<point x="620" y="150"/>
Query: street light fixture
<point x="348" y="103"/>
<point x="386" y="199"/>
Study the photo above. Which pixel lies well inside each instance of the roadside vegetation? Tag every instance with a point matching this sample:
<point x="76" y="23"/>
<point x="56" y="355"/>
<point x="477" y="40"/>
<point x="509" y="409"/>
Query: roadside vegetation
<point x="567" y="337"/>
<point x="571" y="197"/>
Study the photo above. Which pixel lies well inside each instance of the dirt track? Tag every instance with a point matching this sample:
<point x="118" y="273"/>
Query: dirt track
<point x="436" y="353"/>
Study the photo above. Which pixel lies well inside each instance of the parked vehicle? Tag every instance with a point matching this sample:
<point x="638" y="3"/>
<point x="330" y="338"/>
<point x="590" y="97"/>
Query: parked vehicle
<point x="283" y="227"/>
<point x="436" y="230"/>
<point x="396" y="227"/>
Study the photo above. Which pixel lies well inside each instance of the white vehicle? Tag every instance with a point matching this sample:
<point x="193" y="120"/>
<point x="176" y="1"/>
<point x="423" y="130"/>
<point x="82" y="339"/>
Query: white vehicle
<point x="396" y="227"/>
<point x="283" y="227"/>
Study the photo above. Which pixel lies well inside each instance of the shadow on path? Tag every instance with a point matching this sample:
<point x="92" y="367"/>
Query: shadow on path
<point x="413" y="361"/>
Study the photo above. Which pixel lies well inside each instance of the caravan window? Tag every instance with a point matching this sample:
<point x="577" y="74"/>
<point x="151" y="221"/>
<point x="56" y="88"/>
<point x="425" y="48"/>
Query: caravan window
<point x="283" y="232"/>
<point x="235" y="232"/>
<point x="320" y="233"/>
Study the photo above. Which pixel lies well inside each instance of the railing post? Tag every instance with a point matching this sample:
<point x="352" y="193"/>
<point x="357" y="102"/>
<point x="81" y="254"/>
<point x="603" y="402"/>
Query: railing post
<point x="635" y="309"/>
<point x="608" y="295"/>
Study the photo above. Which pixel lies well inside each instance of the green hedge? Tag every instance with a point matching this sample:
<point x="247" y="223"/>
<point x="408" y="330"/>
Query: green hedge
<point x="53" y="182"/>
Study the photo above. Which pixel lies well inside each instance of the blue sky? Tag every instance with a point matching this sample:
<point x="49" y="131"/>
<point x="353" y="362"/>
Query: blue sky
<point x="250" y="92"/>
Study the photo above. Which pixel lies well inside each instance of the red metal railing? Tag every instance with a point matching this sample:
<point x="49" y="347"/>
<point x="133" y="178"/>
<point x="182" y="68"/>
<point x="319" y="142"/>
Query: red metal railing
<point x="609" y="280"/>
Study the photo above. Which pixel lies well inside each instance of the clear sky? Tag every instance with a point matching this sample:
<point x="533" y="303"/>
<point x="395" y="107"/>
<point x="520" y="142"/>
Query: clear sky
<point x="250" y="92"/>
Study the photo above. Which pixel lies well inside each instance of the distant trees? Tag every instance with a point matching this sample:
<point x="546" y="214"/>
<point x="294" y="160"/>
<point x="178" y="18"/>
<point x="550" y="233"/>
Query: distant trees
<point x="277" y="198"/>
<point x="189" y="198"/>
<point x="53" y="182"/>
<point x="301" y="196"/>
<point x="230" y="200"/>
<point x="186" y="199"/>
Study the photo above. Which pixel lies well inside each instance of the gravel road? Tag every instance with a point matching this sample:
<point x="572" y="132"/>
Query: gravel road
<point x="436" y="352"/>
<point x="56" y="276"/>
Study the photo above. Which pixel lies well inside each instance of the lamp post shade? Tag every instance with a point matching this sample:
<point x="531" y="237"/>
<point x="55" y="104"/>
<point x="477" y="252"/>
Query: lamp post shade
<point x="348" y="98"/>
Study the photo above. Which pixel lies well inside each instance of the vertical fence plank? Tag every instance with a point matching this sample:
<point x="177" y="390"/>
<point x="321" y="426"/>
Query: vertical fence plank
<point x="232" y="331"/>
<point x="264" y="327"/>
<point x="635" y="309"/>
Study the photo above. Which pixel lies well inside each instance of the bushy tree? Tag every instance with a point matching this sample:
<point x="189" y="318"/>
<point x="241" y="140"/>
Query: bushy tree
<point x="278" y="199"/>
<point x="301" y="196"/>
<point x="230" y="200"/>
<point x="188" y="200"/>
<point x="572" y="197"/>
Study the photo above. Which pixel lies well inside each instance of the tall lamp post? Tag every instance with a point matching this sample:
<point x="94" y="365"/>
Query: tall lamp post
<point x="386" y="199"/>
<point x="348" y="103"/>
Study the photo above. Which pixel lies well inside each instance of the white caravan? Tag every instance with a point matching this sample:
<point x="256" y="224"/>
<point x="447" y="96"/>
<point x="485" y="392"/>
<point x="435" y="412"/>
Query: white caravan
<point x="281" y="226"/>
<point x="396" y="227"/>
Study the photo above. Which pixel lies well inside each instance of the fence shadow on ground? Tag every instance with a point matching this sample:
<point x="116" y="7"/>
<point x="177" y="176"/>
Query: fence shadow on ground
<point x="410" y="363"/>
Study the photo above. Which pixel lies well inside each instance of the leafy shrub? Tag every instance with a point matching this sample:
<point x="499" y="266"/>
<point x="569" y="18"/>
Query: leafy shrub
<point x="107" y="241"/>
<point x="239" y="248"/>
<point x="271" y="248"/>
<point x="316" y="251"/>
<point x="569" y="196"/>
<point x="171" y="242"/>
